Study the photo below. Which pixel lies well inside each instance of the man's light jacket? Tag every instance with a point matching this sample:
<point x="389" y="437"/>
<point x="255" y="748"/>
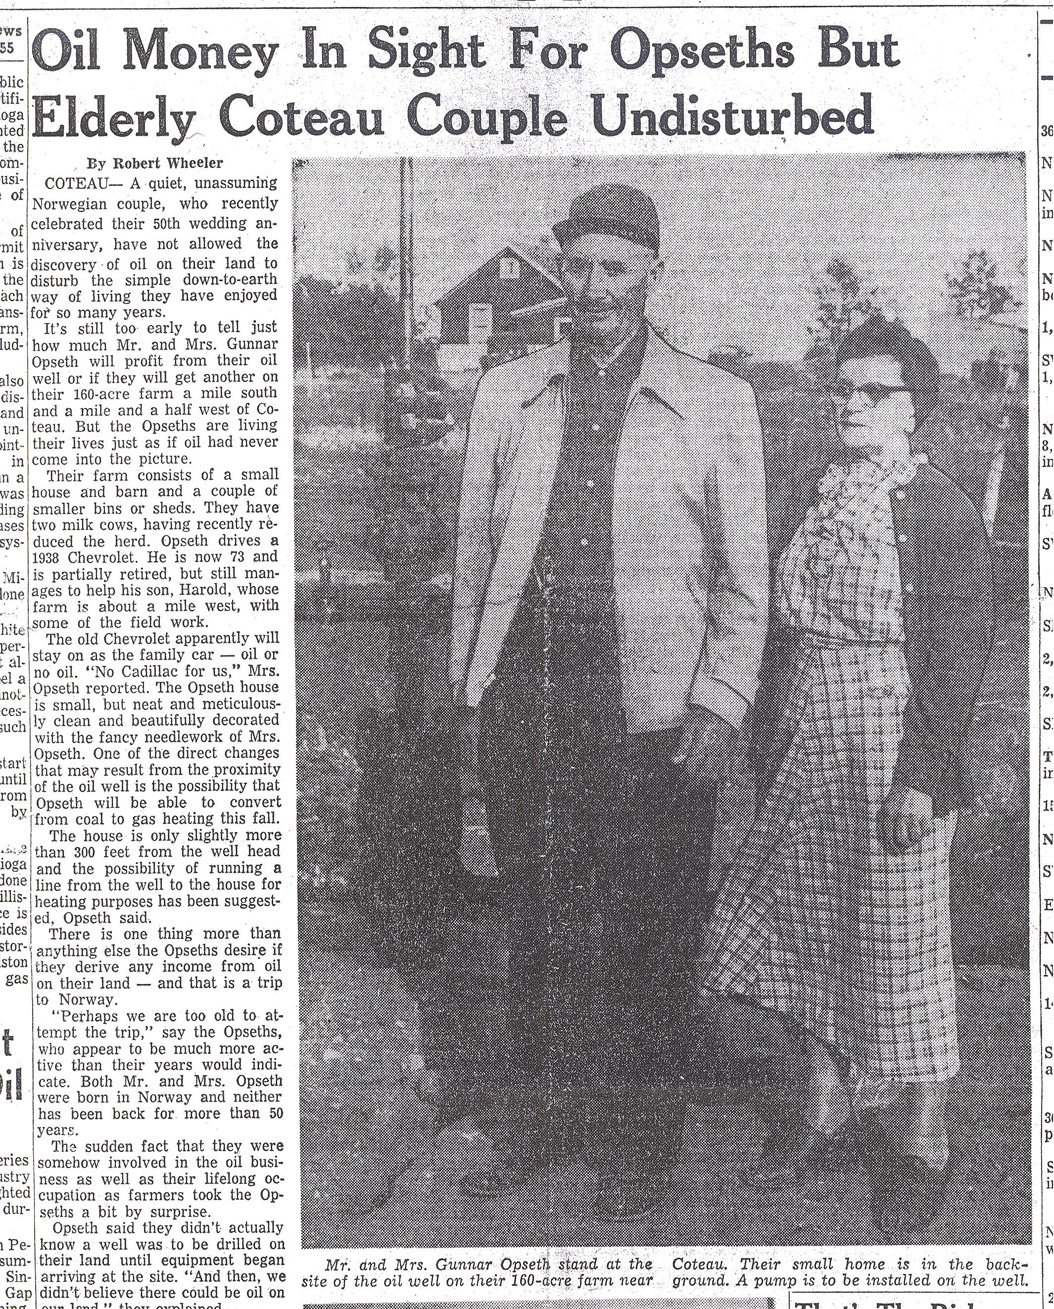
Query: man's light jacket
<point x="688" y="536"/>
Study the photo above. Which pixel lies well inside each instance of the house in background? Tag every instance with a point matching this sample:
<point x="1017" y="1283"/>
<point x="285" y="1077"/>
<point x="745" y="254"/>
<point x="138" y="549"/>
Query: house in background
<point x="515" y="297"/>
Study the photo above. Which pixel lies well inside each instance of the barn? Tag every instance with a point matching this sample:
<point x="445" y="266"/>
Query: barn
<point x="515" y="298"/>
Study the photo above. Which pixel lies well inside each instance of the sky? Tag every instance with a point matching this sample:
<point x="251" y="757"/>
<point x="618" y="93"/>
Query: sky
<point x="743" y="238"/>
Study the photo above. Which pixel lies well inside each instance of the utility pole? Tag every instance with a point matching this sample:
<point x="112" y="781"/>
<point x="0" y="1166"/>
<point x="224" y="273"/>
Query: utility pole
<point x="406" y="253"/>
<point x="406" y="763"/>
<point x="415" y="418"/>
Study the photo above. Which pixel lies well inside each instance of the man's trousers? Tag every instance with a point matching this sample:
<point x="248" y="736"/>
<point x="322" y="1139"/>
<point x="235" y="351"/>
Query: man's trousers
<point x="602" y="859"/>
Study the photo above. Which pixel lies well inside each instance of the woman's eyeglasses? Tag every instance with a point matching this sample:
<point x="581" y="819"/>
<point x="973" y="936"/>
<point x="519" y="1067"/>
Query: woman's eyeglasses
<point x="842" y="392"/>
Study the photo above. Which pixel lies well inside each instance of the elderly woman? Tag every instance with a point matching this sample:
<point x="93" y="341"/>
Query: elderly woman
<point x="836" y="913"/>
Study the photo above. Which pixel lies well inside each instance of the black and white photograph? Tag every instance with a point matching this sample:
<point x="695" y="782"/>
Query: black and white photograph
<point x="663" y="660"/>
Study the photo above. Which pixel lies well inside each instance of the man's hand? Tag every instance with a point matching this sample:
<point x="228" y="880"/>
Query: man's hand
<point x="907" y="818"/>
<point x="702" y="756"/>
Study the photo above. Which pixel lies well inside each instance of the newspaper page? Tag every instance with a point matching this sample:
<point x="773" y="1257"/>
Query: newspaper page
<point x="522" y="655"/>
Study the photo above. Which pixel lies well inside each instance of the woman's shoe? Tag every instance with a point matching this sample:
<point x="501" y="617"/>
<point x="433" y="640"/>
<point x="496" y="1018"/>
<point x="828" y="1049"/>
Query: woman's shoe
<point x="907" y="1194"/>
<point x="798" y="1149"/>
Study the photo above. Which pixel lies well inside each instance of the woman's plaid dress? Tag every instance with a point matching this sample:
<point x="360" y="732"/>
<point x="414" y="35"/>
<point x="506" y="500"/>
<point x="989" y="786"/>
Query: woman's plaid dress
<point x="817" y="918"/>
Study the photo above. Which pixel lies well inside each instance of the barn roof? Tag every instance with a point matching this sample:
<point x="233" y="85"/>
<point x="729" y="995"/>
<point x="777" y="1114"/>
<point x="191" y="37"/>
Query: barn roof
<point x="544" y="261"/>
<point x="544" y="258"/>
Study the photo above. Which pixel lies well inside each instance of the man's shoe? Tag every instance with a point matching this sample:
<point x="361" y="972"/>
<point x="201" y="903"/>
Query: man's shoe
<point x="798" y="1150"/>
<point x="523" y="1148"/>
<point x="499" y="1179"/>
<point x="629" y="1194"/>
<point x="908" y="1195"/>
<point x="450" y="1098"/>
<point x="513" y="1169"/>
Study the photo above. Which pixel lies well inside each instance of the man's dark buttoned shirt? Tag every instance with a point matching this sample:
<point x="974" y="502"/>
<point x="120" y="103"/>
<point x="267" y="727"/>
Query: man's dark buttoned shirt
<point x="559" y="672"/>
<point x="574" y="556"/>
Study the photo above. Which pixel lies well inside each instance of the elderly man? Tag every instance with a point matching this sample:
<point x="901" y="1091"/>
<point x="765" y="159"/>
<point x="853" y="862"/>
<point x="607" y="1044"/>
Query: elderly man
<point x="610" y="598"/>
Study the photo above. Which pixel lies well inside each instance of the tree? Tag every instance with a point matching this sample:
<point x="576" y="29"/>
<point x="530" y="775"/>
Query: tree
<point x="840" y="304"/>
<point x="352" y="322"/>
<point x="313" y="320"/>
<point x="974" y="291"/>
<point x="386" y="268"/>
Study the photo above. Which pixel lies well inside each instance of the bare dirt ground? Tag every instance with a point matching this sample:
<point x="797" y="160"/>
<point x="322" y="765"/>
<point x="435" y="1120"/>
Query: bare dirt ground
<point x="376" y="1173"/>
